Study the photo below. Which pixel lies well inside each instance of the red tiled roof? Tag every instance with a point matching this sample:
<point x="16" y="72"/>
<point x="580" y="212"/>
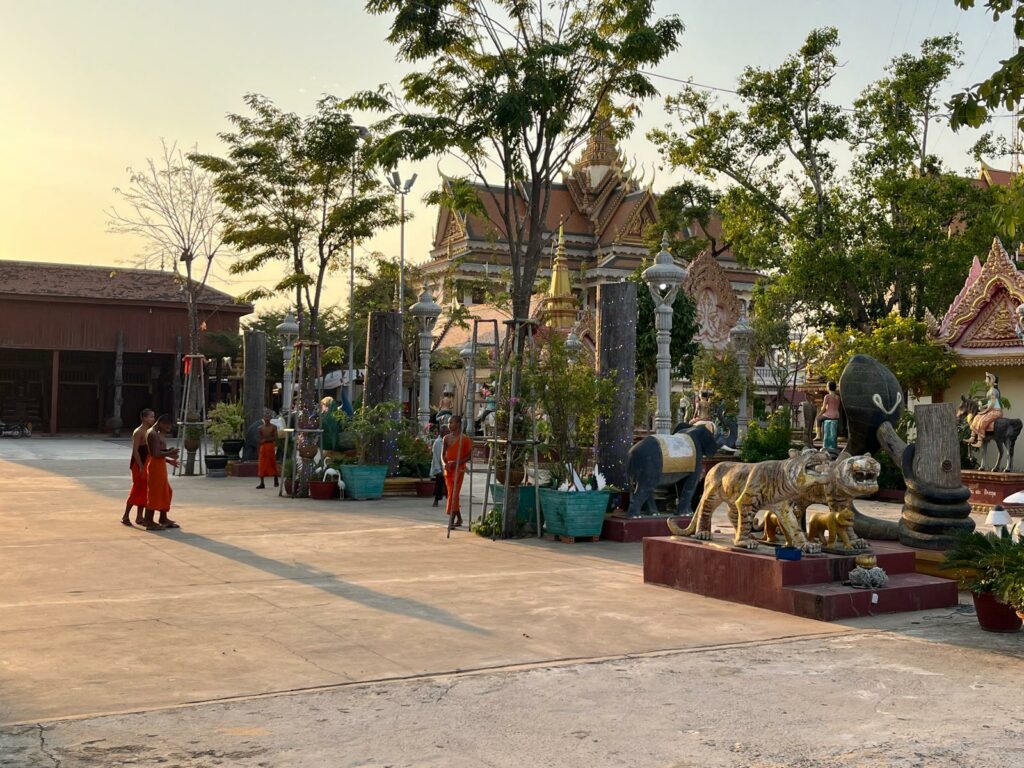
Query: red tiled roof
<point x="75" y="281"/>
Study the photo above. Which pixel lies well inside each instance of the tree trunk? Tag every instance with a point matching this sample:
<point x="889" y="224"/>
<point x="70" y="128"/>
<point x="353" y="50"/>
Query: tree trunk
<point x="383" y="358"/>
<point x="116" y="420"/>
<point x="616" y="357"/>
<point x="176" y="379"/>
<point x="254" y="379"/>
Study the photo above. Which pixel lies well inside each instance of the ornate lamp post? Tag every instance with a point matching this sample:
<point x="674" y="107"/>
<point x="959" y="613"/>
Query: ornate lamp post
<point x="466" y="353"/>
<point x="663" y="279"/>
<point x="426" y="310"/>
<point x="401" y="189"/>
<point x="742" y="336"/>
<point x="288" y="332"/>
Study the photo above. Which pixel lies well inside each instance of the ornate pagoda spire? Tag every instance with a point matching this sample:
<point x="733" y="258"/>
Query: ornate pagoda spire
<point x="559" y="304"/>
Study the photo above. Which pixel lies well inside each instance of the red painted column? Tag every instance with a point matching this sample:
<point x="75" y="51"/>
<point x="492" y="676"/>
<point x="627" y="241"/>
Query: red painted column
<point x="54" y="389"/>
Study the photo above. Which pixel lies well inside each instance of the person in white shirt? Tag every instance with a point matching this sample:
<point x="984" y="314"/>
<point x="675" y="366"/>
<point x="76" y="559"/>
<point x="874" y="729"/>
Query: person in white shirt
<point x="437" y="466"/>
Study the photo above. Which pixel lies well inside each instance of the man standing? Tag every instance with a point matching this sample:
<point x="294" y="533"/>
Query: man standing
<point x="268" y="450"/>
<point x="437" y="466"/>
<point x="830" y="419"/>
<point x="159" y="496"/>
<point x="457" y="449"/>
<point x="137" y="496"/>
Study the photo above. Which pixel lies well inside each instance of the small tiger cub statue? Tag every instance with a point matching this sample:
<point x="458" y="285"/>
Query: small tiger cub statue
<point x="836" y="523"/>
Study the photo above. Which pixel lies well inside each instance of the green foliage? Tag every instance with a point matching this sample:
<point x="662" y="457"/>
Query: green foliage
<point x="369" y="423"/>
<point x="287" y="183"/>
<point x="226" y="422"/>
<point x="895" y="232"/>
<point x="1004" y="87"/>
<point x="515" y="96"/>
<point x="988" y="562"/>
<point x="490" y="524"/>
<point x="898" y="342"/>
<point x="718" y="372"/>
<point x="682" y="347"/>
<point x="771" y="442"/>
<point x="414" y="454"/>
<point x="572" y="395"/>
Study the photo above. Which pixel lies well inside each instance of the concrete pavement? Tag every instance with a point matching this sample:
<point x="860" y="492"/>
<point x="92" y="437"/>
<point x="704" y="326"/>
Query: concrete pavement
<point x="291" y="632"/>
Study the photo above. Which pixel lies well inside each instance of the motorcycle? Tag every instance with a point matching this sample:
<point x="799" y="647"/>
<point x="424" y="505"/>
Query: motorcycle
<point x="15" y="429"/>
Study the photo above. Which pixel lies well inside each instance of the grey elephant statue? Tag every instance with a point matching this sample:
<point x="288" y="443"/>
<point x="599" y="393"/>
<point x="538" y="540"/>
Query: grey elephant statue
<point x="676" y="459"/>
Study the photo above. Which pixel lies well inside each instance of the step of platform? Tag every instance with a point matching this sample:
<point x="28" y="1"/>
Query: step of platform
<point x="811" y="587"/>
<point x="632" y="529"/>
<point x="904" y="592"/>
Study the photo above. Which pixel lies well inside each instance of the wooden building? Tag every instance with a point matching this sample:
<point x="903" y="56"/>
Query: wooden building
<point x="63" y="328"/>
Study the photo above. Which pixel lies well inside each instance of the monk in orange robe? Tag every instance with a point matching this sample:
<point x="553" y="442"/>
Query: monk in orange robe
<point x="138" y="495"/>
<point x="457" y="449"/>
<point x="159" y="491"/>
<point x="268" y="450"/>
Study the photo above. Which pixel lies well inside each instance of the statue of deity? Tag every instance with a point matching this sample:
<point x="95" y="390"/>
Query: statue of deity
<point x="991" y="411"/>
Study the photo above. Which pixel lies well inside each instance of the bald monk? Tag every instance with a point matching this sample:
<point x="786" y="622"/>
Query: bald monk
<point x="457" y="449"/>
<point x="268" y="450"/>
<point x="138" y="494"/>
<point x="159" y="497"/>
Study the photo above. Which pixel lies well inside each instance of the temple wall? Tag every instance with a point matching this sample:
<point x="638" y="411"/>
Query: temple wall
<point x="1011" y="384"/>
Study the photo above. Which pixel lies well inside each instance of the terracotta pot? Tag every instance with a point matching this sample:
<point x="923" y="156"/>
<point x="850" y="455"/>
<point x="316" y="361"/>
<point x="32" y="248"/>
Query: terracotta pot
<point x="323" y="490"/>
<point x="191" y="444"/>
<point x="424" y="488"/>
<point x="308" y="450"/>
<point x="994" y="616"/>
<point x="517" y="474"/>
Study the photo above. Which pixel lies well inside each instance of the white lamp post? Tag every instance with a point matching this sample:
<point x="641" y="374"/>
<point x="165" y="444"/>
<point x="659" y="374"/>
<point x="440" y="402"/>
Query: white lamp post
<point x="467" y="417"/>
<point x="742" y="336"/>
<point x="999" y="519"/>
<point x="663" y="279"/>
<point x="288" y="331"/>
<point x="401" y="189"/>
<point x="350" y="384"/>
<point x="426" y="310"/>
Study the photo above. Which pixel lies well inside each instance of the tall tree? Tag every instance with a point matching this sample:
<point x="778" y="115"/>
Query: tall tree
<point x="173" y="207"/>
<point x="511" y="89"/>
<point x="894" y="232"/>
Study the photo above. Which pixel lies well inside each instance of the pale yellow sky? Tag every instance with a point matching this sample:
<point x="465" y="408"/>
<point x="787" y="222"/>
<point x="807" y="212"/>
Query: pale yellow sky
<point x="89" y="88"/>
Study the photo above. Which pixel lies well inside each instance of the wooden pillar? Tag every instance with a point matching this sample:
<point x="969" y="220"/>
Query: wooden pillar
<point x="616" y="356"/>
<point x="383" y="361"/>
<point x="116" y="421"/>
<point x="254" y="372"/>
<point x="176" y="381"/>
<point x="54" y="390"/>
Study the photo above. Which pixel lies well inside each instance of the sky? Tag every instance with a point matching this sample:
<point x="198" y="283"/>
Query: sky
<point x="88" y="90"/>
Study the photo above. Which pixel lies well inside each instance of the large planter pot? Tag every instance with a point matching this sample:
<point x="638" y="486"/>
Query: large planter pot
<point x="217" y="466"/>
<point x="994" y="616"/>
<point x="526" y="513"/>
<point x="517" y="473"/>
<point x="364" y="481"/>
<point x="579" y="513"/>
<point x="323" y="489"/>
<point x="232" y="448"/>
<point x="424" y="488"/>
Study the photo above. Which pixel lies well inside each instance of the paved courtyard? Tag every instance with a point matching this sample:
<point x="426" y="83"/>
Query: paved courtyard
<point x="277" y="632"/>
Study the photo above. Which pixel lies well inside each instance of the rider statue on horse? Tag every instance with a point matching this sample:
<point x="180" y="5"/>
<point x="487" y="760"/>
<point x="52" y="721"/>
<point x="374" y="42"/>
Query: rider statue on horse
<point x="982" y="422"/>
<point x="987" y="423"/>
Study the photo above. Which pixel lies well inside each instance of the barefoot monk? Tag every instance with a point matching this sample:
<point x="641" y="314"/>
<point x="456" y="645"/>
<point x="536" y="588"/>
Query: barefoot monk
<point x="138" y="495"/>
<point x="156" y="474"/>
<point x="457" y="449"/>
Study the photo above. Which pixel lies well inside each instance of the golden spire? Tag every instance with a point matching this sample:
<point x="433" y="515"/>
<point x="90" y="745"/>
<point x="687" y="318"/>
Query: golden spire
<point x="559" y="304"/>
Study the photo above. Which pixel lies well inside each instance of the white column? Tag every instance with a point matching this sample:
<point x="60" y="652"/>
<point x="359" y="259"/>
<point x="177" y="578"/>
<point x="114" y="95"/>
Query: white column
<point x="663" y="324"/>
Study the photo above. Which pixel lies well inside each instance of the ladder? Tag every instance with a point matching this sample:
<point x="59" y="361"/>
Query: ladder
<point x="192" y="415"/>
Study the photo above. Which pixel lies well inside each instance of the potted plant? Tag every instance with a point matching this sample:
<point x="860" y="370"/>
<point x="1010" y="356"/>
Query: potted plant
<point x="414" y="457"/>
<point x="322" y="489"/>
<point x="368" y="424"/>
<point x="992" y="568"/>
<point x="573" y="396"/>
<point x="227" y="428"/>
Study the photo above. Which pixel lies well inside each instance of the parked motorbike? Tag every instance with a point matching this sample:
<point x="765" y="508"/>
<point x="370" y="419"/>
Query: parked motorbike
<point x="15" y="429"/>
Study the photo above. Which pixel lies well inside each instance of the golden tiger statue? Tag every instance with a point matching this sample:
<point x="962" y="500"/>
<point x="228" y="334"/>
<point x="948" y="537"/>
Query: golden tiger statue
<point x="747" y="488"/>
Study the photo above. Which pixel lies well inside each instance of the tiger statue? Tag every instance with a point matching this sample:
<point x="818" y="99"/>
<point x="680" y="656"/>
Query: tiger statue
<point x="748" y="488"/>
<point x="851" y="477"/>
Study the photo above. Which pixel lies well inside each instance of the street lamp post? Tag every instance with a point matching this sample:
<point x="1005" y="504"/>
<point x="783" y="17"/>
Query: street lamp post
<point x="350" y="384"/>
<point x="663" y="279"/>
<point x="742" y="336"/>
<point x="288" y="332"/>
<point x="426" y="311"/>
<point x="401" y="189"/>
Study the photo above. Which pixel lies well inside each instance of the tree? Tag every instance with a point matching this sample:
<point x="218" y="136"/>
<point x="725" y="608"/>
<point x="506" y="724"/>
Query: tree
<point x="688" y="206"/>
<point x="172" y="205"/>
<point x="901" y="343"/>
<point x="512" y="86"/>
<point x="682" y="347"/>
<point x="296" y="191"/>
<point x="895" y="232"/>
<point x="1004" y="87"/>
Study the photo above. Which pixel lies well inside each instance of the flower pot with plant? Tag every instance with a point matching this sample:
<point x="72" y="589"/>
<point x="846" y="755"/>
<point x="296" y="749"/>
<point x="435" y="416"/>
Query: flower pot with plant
<point x="572" y="396"/>
<point x="991" y="566"/>
<point x="414" y="456"/>
<point x="370" y="425"/>
<point x="227" y="428"/>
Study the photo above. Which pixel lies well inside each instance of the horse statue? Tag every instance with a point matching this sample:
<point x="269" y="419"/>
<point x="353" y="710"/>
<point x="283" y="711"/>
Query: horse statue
<point x="1003" y="431"/>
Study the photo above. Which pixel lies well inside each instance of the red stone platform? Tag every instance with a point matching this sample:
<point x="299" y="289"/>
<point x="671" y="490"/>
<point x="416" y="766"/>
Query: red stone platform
<point x="630" y="529"/>
<point x="990" y="488"/>
<point x="811" y="587"/>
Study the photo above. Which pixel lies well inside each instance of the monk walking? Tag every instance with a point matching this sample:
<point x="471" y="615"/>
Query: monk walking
<point x="457" y="449"/>
<point x="137" y="497"/>
<point x="268" y="450"/>
<point x="159" y="497"/>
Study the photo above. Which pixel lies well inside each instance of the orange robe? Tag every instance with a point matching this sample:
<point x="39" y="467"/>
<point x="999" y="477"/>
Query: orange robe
<point x="268" y="459"/>
<point x="139" y="494"/>
<point x="456" y="451"/>
<point x="159" y="488"/>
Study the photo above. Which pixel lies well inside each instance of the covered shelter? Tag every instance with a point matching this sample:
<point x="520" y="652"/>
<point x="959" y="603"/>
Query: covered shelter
<point x="70" y="335"/>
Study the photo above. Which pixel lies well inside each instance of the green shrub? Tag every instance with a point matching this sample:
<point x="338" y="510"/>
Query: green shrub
<point x="771" y="442"/>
